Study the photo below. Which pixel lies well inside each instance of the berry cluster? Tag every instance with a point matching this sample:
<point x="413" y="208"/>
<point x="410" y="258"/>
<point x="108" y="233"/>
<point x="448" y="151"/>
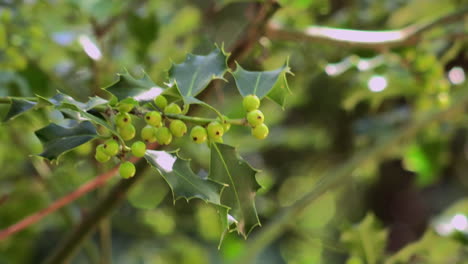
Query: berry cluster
<point x="163" y="123"/>
<point x="255" y="117"/>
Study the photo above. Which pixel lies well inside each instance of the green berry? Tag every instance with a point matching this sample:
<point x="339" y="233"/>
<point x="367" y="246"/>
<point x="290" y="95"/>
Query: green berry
<point x="172" y="108"/>
<point x="138" y="149"/>
<point x="153" y="118"/>
<point x="100" y="155"/>
<point x="215" y="130"/>
<point x="125" y="108"/>
<point x="164" y="136"/>
<point x="127" y="170"/>
<point x="251" y="102"/>
<point x="127" y="132"/>
<point x="123" y="119"/>
<point x="148" y="134"/>
<point x="178" y="128"/>
<point x="261" y="131"/>
<point x="255" y="117"/>
<point x="111" y="147"/>
<point x="226" y="126"/>
<point x="198" y="134"/>
<point x="160" y="101"/>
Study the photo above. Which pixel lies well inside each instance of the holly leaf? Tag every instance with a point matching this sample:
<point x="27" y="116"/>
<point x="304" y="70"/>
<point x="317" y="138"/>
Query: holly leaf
<point x="142" y="90"/>
<point x="18" y="106"/>
<point x="271" y="84"/>
<point x="58" y="139"/>
<point x="193" y="75"/>
<point x="183" y="182"/>
<point x="60" y="99"/>
<point x="226" y="166"/>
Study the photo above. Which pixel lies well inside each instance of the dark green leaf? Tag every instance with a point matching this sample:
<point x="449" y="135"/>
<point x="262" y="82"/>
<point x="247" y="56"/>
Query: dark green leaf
<point x="184" y="183"/>
<point x="60" y="99"/>
<point x="271" y="84"/>
<point x="226" y="166"/>
<point x="18" y="106"/>
<point x="59" y="139"/>
<point x="87" y="116"/>
<point x="142" y="90"/>
<point x="181" y="179"/>
<point x="196" y="72"/>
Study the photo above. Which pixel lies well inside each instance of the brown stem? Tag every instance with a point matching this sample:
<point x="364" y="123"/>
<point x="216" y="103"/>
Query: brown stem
<point x="67" y="248"/>
<point x="255" y="31"/>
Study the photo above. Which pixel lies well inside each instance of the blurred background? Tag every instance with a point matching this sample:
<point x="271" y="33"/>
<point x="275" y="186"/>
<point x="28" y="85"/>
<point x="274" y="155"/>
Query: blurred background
<point x="406" y="205"/>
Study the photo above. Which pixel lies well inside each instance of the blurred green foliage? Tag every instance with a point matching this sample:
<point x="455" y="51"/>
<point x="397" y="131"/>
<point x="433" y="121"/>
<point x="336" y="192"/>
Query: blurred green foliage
<point x="393" y="210"/>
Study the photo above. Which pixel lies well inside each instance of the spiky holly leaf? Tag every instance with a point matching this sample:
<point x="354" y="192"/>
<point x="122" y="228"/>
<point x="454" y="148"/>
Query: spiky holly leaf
<point x="60" y="99"/>
<point x="271" y="84"/>
<point x="58" y="139"/>
<point x="142" y="90"/>
<point x="193" y="75"/>
<point x="18" y="106"/>
<point x="226" y="166"/>
<point x="184" y="183"/>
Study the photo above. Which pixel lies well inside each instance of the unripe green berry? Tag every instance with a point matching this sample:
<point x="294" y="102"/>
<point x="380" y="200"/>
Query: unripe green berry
<point x="127" y="132"/>
<point x="111" y="147"/>
<point x="153" y="118"/>
<point x="251" y="102"/>
<point x="148" y="134"/>
<point x="127" y="170"/>
<point x="125" y="108"/>
<point x="172" y="108"/>
<point x="260" y="132"/>
<point x="198" y="134"/>
<point x="100" y="155"/>
<point x="160" y="101"/>
<point x="164" y="136"/>
<point x="226" y="126"/>
<point x="178" y="128"/>
<point x="215" y="130"/>
<point x="138" y="149"/>
<point x="255" y="117"/>
<point x="123" y="119"/>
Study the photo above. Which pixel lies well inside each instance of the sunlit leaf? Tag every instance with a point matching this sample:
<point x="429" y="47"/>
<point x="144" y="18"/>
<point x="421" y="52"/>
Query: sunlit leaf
<point x="194" y="74"/>
<point x="60" y="139"/>
<point x="226" y="166"/>
<point x="271" y="84"/>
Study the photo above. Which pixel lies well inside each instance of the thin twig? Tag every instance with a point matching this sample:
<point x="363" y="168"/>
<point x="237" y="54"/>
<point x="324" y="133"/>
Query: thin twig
<point x="82" y="190"/>
<point x="255" y="31"/>
<point x="336" y="176"/>
<point x="378" y="40"/>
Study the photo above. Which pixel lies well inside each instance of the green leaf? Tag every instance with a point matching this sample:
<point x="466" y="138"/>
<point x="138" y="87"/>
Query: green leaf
<point x="271" y="84"/>
<point x="60" y="98"/>
<point x="60" y="139"/>
<point x="18" y="106"/>
<point x="226" y="166"/>
<point x="183" y="182"/>
<point x="196" y="72"/>
<point x="142" y="90"/>
<point x="86" y="116"/>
